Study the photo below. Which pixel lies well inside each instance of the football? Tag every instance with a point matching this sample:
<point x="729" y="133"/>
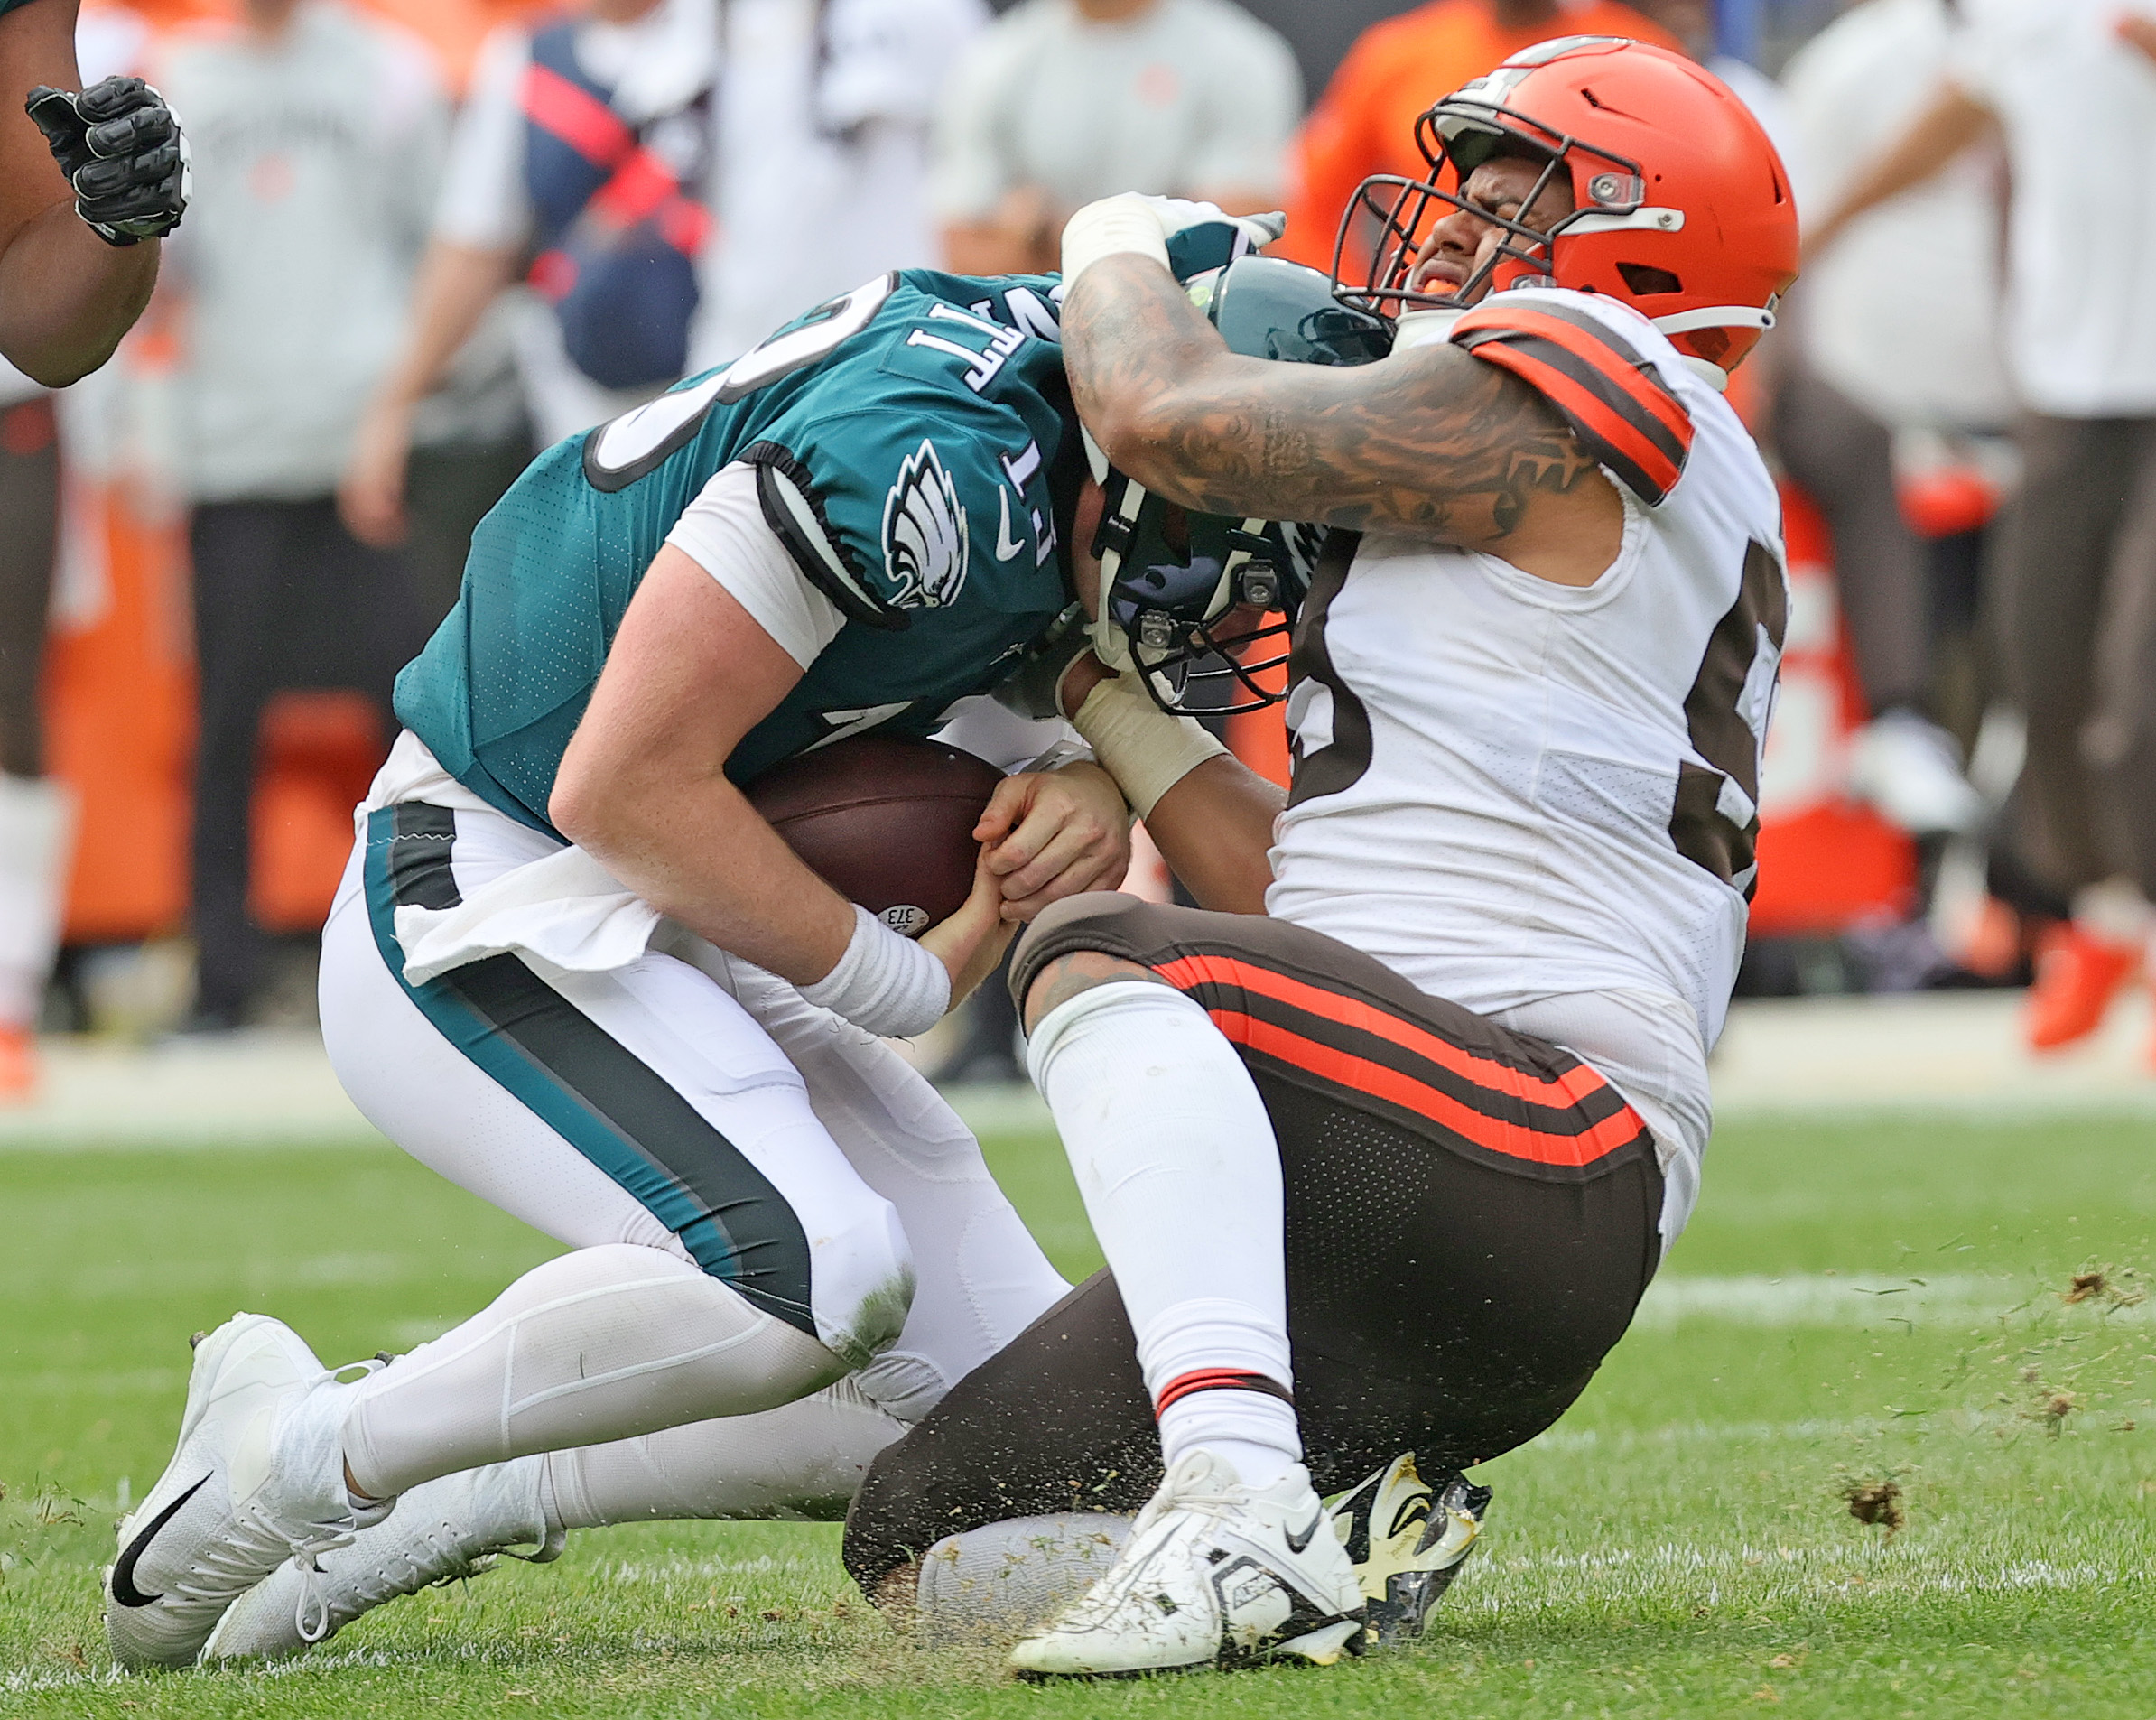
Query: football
<point x="886" y="820"/>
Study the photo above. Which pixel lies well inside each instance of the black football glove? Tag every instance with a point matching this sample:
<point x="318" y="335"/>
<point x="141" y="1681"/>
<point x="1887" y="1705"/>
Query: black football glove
<point x="124" y="154"/>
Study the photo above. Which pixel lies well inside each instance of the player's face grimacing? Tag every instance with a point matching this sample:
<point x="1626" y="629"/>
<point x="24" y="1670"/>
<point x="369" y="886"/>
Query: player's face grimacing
<point x="1463" y="242"/>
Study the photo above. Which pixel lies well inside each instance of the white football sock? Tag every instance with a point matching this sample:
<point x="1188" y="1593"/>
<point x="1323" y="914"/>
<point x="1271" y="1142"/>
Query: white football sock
<point x="804" y="1459"/>
<point x="1190" y="1343"/>
<point x="1175" y="1158"/>
<point x="599" y="1345"/>
<point x="37" y="817"/>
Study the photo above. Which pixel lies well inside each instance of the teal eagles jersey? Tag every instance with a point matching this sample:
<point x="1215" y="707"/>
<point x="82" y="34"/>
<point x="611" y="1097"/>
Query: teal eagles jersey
<point x="915" y="450"/>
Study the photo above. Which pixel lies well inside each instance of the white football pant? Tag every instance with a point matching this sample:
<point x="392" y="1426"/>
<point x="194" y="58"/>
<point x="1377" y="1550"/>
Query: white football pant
<point x="763" y="1197"/>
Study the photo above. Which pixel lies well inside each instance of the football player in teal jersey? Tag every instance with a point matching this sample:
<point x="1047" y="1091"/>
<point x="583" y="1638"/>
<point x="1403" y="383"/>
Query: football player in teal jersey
<point x="571" y="969"/>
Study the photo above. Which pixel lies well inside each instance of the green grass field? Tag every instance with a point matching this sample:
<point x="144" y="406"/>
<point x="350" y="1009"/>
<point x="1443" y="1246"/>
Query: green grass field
<point x="1858" y="1304"/>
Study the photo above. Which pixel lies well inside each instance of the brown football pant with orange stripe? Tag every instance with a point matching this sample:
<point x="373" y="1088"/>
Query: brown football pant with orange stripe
<point x="1471" y="1217"/>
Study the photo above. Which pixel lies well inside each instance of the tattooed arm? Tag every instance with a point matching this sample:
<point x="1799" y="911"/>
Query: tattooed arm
<point x="1428" y="442"/>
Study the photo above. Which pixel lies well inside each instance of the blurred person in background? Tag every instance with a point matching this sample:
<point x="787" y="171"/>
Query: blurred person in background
<point x="1897" y="345"/>
<point x="674" y="179"/>
<point x="1839" y="449"/>
<point x="2071" y="87"/>
<point x="71" y="283"/>
<point x="1364" y="124"/>
<point x="33" y="810"/>
<point x="318" y="137"/>
<point x="1063" y="101"/>
<point x="1904" y="313"/>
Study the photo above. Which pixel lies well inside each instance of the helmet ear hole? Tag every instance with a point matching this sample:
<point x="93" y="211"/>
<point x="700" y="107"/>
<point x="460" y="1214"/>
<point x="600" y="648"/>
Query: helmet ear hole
<point x="1645" y="280"/>
<point x="1711" y="344"/>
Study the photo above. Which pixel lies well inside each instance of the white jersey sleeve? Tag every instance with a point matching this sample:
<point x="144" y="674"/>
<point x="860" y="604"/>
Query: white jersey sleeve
<point x="723" y="532"/>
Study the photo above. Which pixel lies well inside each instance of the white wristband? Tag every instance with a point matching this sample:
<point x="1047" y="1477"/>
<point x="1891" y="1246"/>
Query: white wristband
<point x="1145" y="749"/>
<point x="1114" y="225"/>
<point x="884" y="982"/>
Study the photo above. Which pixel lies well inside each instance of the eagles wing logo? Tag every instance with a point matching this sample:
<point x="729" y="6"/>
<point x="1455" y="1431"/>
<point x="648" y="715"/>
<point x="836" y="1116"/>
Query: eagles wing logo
<point x="924" y="542"/>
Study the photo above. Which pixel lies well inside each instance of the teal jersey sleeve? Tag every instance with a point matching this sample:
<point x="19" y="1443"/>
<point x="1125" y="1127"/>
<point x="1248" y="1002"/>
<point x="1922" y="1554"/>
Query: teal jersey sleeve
<point x="883" y="488"/>
<point x="915" y="454"/>
<point x="921" y="477"/>
<point x="926" y="488"/>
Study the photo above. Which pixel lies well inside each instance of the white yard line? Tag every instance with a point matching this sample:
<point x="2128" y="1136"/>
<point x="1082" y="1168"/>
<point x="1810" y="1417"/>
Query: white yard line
<point x="1824" y="1299"/>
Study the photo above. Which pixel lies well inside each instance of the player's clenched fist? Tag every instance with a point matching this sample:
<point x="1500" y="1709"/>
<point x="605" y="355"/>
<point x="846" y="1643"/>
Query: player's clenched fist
<point x="124" y="154"/>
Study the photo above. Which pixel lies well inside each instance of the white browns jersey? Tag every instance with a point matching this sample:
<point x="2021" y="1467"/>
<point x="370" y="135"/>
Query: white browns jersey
<point x="1510" y="791"/>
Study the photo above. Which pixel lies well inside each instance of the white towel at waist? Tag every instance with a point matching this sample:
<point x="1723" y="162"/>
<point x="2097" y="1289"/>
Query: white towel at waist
<point x="566" y="909"/>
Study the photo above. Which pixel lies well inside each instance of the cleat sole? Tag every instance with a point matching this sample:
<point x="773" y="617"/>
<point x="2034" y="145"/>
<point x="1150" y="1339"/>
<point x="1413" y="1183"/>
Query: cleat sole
<point x="1322" y="1647"/>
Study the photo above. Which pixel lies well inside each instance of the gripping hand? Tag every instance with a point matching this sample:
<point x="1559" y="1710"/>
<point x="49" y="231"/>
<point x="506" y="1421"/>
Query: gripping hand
<point x="1177" y="233"/>
<point x="123" y="155"/>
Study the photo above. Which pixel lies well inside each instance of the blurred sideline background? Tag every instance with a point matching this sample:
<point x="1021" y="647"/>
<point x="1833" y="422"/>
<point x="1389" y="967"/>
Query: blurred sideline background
<point x="1854" y="903"/>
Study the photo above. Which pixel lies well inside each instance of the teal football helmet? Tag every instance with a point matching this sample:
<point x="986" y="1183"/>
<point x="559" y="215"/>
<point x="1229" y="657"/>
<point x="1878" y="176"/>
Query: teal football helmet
<point x="1194" y="595"/>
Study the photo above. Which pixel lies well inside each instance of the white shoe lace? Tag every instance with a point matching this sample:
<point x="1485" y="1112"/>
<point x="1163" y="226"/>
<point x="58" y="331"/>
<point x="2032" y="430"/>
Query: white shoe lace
<point x="310" y="1613"/>
<point x="311" y="1616"/>
<point x="406" y="1568"/>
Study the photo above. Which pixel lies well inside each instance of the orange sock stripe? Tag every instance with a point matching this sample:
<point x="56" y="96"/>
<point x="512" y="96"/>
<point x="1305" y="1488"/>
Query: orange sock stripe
<point x="1219" y="1380"/>
<point x="1560" y="1092"/>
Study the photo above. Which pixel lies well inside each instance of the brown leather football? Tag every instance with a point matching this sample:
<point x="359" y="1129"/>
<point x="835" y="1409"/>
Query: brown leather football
<point x="886" y="820"/>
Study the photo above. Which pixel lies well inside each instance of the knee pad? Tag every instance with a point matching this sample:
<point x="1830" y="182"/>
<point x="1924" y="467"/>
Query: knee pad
<point x="861" y="1282"/>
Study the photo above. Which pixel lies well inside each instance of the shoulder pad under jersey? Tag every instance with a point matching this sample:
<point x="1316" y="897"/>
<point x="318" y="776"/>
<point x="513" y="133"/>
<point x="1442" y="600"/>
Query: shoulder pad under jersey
<point x="924" y="474"/>
<point x="1622" y="413"/>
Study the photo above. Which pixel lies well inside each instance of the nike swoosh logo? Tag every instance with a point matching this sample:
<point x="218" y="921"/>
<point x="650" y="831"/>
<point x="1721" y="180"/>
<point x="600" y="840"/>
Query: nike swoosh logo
<point x="1007" y="546"/>
<point x="1296" y="1543"/>
<point x="1416" y="1510"/>
<point x="122" y="1571"/>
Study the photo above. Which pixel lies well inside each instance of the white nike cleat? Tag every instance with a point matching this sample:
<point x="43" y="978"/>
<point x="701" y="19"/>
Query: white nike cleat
<point x="258" y="1478"/>
<point x="1215" y="1573"/>
<point x="437" y="1533"/>
<point x="1407" y="1542"/>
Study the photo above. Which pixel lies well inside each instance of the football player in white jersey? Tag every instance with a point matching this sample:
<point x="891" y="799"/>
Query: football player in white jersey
<point x="1447" y="1097"/>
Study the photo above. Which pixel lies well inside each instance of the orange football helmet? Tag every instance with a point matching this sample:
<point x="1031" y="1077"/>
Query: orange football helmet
<point x="1681" y="207"/>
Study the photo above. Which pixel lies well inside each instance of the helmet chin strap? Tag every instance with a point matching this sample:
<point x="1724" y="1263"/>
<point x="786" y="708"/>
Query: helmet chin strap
<point x="1096" y="456"/>
<point x="1717" y="316"/>
<point x="1712" y="374"/>
<point x="1714" y="316"/>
